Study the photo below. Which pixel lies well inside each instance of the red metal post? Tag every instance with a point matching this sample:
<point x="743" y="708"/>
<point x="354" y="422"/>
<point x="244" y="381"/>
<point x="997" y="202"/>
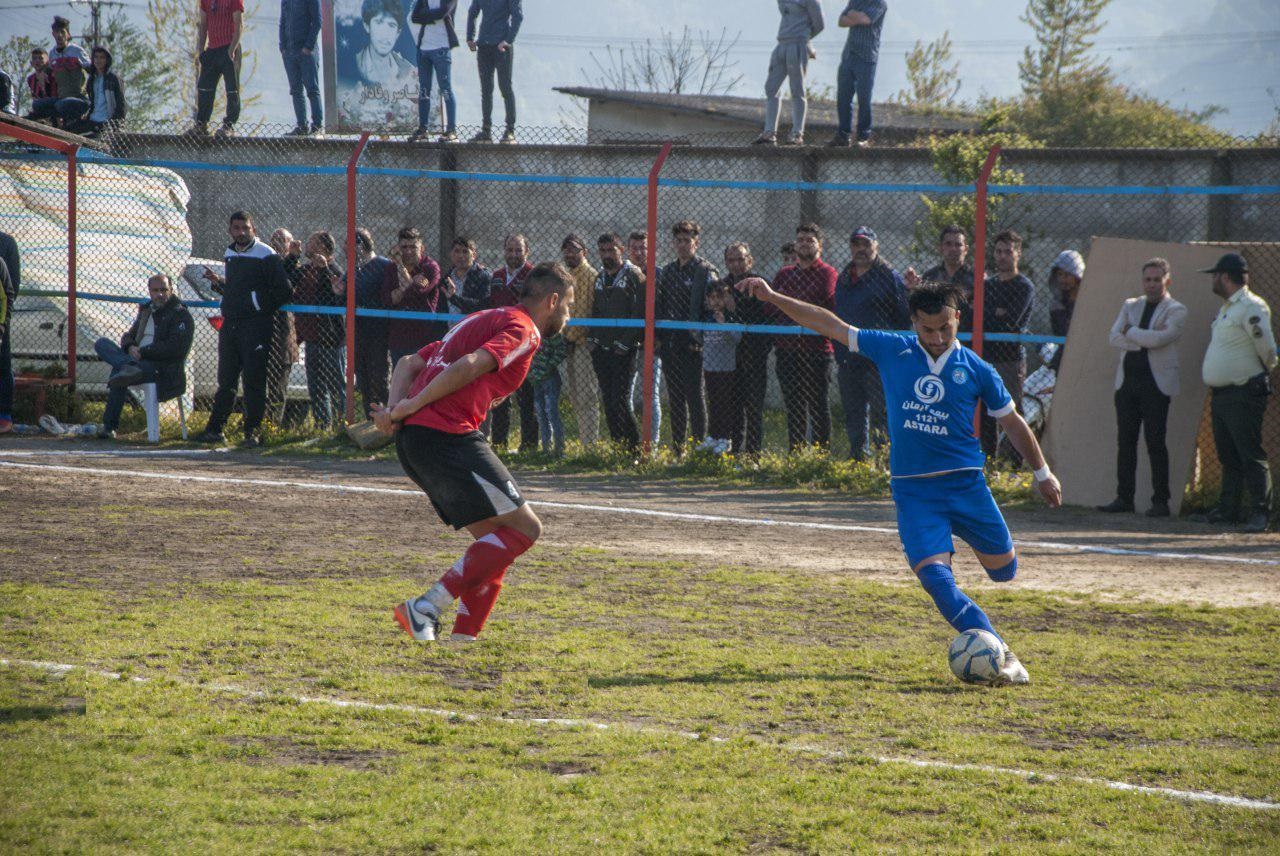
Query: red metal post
<point x="650" y="293"/>
<point x="71" y="265"/>
<point x="980" y="262"/>
<point x="352" y="163"/>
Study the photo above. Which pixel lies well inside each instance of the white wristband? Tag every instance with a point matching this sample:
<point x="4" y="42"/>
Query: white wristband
<point x="1043" y="473"/>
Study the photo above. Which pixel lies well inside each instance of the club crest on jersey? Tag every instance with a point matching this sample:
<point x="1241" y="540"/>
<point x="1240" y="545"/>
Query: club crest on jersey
<point x="929" y="389"/>
<point x="959" y="376"/>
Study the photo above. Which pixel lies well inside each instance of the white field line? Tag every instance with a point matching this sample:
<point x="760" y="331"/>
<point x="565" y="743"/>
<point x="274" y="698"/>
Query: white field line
<point x="594" y="725"/>
<point x="641" y="512"/>
<point x="115" y="453"/>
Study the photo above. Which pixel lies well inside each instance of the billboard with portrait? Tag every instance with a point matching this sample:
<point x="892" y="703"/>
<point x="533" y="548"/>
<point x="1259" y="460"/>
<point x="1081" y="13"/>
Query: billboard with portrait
<point x="375" y="76"/>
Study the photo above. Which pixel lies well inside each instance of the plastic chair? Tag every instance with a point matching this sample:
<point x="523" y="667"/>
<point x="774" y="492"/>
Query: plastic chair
<point x="151" y="406"/>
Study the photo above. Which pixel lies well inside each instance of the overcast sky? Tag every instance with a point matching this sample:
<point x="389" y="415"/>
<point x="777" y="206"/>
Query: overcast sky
<point x="1189" y="53"/>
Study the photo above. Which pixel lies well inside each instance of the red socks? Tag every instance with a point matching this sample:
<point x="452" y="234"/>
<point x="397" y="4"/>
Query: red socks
<point x="475" y="606"/>
<point x="476" y="578"/>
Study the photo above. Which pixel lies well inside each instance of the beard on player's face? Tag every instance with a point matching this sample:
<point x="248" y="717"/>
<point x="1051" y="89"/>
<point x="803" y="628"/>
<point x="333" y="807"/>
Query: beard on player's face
<point x="936" y="332"/>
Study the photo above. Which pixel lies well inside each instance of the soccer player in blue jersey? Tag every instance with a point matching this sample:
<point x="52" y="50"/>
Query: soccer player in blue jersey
<point x="932" y="385"/>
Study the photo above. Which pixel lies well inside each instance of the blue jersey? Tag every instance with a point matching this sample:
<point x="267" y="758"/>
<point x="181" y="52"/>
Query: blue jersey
<point x="930" y="402"/>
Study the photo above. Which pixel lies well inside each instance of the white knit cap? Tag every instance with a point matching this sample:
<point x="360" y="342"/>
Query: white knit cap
<point x="1070" y="262"/>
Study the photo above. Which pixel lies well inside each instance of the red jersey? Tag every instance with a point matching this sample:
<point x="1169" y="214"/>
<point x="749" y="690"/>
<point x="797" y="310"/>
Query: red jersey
<point x="218" y="14"/>
<point x="509" y="334"/>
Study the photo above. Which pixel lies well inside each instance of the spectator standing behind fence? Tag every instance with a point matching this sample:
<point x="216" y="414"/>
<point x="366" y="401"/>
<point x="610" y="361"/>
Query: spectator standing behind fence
<point x="1006" y="308"/>
<point x="870" y="295"/>
<point x="107" y="105"/>
<point x="254" y="288"/>
<point x="412" y="284"/>
<point x="584" y="392"/>
<point x="436" y="41"/>
<point x="788" y="254"/>
<point x="1237" y="367"/>
<point x="1065" y="278"/>
<point x="218" y="56"/>
<point x="507" y="289"/>
<point x="299" y="28"/>
<point x="751" y="362"/>
<point x="801" y="22"/>
<point x="10" y="285"/>
<point x="320" y="282"/>
<point x="69" y="66"/>
<point x="953" y="247"/>
<point x="681" y="296"/>
<point x="468" y="282"/>
<point x="153" y="350"/>
<point x="719" y="370"/>
<point x="857" y="74"/>
<point x="638" y="255"/>
<point x="495" y="53"/>
<point x="284" y="335"/>
<point x="372" y="369"/>
<point x="618" y="292"/>
<point x="1146" y="331"/>
<point x="8" y="95"/>
<point x="544" y="375"/>
<point x="804" y="362"/>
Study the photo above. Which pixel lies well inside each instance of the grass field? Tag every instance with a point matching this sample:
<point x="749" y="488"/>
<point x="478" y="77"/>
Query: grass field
<point x="750" y="709"/>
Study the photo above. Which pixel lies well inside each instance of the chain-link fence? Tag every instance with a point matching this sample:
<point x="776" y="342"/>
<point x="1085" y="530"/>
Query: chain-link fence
<point x="448" y="230"/>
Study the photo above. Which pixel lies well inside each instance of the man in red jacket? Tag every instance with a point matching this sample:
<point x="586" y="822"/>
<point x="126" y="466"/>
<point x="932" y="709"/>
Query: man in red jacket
<point x="804" y="362"/>
<point x="441" y="396"/>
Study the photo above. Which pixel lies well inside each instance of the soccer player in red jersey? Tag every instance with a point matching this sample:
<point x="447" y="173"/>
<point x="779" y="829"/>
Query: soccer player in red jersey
<point x="442" y="394"/>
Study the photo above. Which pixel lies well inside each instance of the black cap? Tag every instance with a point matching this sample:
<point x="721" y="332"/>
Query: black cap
<point x="1232" y="263"/>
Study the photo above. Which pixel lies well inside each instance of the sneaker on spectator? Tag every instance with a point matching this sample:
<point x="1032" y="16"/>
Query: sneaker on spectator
<point x="126" y="375"/>
<point x="207" y="436"/>
<point x="316" y="131"/>
<point x="296" y="131"/>
<point x="1158" y="509"/>
<point x="252" y="440"/>
<point x="448" y="137"/>
<point x="197" y="129"/>
<point x="105" y="434"/>
<point x="224" y="131"/>
<point x="765" y="140"/>
<point x="1257" y="522"/>
<point x="418" y="136"/>
<point x="862" y="144"/>
<point x="483" y="136"/>
<point x="508" y="137"/>
<point x="796" y="140"/>
<point x="839" y="141"/>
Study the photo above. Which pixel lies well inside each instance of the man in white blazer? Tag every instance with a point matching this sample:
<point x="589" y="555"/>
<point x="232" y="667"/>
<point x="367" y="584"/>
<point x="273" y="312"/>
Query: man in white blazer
<point x="1146" y="332"/>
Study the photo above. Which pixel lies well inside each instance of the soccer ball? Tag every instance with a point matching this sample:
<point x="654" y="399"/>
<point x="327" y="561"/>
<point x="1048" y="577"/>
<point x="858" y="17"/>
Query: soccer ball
<point x="976" y="656"/>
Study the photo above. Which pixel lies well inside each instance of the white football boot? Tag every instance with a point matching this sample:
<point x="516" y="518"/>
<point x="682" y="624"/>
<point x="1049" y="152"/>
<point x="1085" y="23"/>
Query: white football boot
<point x="1013" y="672"/>
<point x="423" y="625"/>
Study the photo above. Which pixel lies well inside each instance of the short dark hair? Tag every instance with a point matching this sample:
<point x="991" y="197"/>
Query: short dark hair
<point x="810" y="229"/>
<point x="638" y="235"/>
<point x="686" y="227"/>
<point x="371" y="9"/>
<point x="99" y="49"/>
<point x="39" y="52"/>
<point x="953" y="229"/>
<point x="789" y="247"/>
<point x="545" y="279"/>
<point x="718" y="286"/>
<point x="61" y="23"/>
<point x="609" y="239"/>
<point x="1010" y="237"/>
<point x="930" y="298"/>
<point x="240" y="215"/>
<point x="326" y="240"/>
<point x="408" y="233"/>
<point x="573" y="240"/>
<point x="1157" y="262"/>
<point x="464" y="241"/>
<point x="364" y="239"/>
<point x="740" y="245"/>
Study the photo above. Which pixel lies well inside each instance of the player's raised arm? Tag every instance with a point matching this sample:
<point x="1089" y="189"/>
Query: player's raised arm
<point x="815" y="318"/>
<point x="1024" y="441"/>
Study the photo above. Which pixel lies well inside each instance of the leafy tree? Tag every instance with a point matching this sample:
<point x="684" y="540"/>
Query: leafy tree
<point x="1064" y="31"/>
<point x="932" y="75"/>
<point x="15" y="58"/>
<point x="148" y="81"/>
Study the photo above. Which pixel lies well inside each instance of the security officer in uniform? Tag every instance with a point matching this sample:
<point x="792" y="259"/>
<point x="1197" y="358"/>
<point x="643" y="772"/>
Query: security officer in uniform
<point x="1242" y="352"/>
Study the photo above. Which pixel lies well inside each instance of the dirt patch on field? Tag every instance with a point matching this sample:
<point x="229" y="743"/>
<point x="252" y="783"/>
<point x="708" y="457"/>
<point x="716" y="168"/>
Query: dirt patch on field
<point x="102" y="521"/>
<point x="283" y="751"/>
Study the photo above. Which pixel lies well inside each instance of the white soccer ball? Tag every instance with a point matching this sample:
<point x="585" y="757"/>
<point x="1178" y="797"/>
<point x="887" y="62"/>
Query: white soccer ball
<point x="976" y="656"/>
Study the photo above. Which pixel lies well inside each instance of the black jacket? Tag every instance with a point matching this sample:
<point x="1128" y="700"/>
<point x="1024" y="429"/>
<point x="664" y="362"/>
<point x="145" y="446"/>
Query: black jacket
<point x="255" y="283"/>
<point x="681" y="296"/>
<point x="113" y="91"/>
<point x="618" y="295"/>
<point x="170" y="344"/>
<point x="422" y="16"/>
<point x="9" y="252"/>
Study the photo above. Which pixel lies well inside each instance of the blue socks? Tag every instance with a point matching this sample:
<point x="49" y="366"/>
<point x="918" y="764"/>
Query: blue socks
<point x="956" y="607"/>
<point x="1006" y="573"/>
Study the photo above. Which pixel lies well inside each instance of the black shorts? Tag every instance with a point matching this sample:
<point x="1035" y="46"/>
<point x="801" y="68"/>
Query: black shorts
<point x="460" y="474"/>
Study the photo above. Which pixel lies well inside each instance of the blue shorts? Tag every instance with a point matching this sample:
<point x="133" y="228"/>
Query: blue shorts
<point x="931" y="509"/>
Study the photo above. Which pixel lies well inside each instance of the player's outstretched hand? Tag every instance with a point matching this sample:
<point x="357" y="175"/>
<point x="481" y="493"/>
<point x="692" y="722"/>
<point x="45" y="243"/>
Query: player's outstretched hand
<point x="756" y="287"/>
<point x="1051" y="490"/>
<point x="381" y="416"/>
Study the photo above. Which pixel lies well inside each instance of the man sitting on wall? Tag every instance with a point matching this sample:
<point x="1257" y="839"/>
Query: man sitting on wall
<point x="153" y="350"/>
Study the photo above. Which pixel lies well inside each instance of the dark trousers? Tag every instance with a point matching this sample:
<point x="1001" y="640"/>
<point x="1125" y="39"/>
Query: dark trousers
<point x="326" y="383"/>
<point x="1237" y="413"/>
<point x="278" y="367"/>
<point x="1014" y="375"/>
<point x="855" y="77"/>
<point x="1140" y="405"/>
<point x="862" y="399"/>
<point x="6" y="371"/>
<point x="243" y="346"/>
<point x="722" y="410"/>
<point x="686" y="409"/>
<point x="116" y="357"/>
<point x="214" y="64"/>
<point x="614" y="372"/>
<point x="804" y="377"/>
<point x="303" y="73"/>
<point x="373" y="374"/>
<point x="752" y="380"/>
<point x="491" y="60"/>
<point x="528" y="420"/>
